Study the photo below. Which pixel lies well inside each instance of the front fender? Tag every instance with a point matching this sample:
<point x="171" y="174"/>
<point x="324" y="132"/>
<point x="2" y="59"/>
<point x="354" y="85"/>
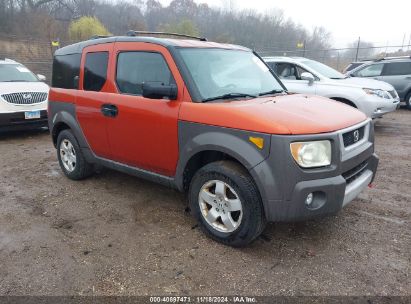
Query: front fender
<point x="195" y="138"/>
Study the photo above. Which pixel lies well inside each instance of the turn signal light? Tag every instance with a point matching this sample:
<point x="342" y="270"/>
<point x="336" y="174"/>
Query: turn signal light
<point x="258" y="141"/>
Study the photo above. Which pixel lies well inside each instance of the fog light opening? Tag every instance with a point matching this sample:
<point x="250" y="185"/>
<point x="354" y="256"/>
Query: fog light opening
<point x="315" y="200"/>
<point x="309" y="199"/>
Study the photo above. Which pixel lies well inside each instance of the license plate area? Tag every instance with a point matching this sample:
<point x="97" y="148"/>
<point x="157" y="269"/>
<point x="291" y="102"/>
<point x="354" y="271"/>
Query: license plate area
<point x="32" y="115"/>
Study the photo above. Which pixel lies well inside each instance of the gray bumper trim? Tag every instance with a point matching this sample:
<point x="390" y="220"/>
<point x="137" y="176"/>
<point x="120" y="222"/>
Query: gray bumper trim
<point x="357" y="186"/>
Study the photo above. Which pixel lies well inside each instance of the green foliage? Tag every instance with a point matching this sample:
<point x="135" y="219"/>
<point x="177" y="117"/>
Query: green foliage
<point x="86" y="27"/>
<point x="186" y="27"/>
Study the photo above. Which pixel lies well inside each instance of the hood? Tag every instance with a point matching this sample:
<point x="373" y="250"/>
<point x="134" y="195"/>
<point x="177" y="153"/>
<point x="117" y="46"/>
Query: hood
<point x="17" y="87"/>
<point x="290" y="114"/>
<point x="363" y="83"/>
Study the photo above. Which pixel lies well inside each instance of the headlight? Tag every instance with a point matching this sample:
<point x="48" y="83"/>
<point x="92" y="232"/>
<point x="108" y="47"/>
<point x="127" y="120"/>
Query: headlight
<point x="377" y="92"/>
<point x="311" y="154"/>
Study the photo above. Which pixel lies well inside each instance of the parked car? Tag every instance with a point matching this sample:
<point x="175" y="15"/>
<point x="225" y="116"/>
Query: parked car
<point x="212" y="120"/>
<point x="393" y="70"/>
<point x="354" y="65"/>
<point x="302" y="75"/>
<point x="23" y="97"/>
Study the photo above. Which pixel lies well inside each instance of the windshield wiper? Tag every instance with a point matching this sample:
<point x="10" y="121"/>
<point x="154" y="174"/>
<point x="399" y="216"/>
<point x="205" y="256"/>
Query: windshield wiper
<point x="271" y="92"/>
<point x="229" y="95"/>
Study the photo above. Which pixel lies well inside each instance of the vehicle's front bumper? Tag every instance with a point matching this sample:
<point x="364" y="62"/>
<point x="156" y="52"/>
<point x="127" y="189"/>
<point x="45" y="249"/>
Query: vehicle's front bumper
<point x="284" y="186"/>
<point x="14" y="121"/>
<point x="375" y="107"/>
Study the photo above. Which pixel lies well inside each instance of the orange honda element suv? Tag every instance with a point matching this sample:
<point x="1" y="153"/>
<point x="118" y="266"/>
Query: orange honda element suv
<point x="210" y="119"/>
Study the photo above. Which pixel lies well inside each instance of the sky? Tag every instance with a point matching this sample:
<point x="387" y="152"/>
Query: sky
<point x="374" y="21"/>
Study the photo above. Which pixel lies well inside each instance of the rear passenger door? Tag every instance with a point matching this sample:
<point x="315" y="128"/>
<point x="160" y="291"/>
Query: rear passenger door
<point x="144" y="132"/>
<point x="92" y="95"/>
<point x="398" y="74"/>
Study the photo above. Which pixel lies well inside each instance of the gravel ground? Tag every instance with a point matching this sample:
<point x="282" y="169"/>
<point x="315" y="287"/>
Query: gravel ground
<point x="114" y="234"/>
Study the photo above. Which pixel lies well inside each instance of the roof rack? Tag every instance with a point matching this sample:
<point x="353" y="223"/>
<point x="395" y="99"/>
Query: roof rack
<point x="136" y="33"/>
<point x="394" y="57"/>
<point x="98" y="37"/>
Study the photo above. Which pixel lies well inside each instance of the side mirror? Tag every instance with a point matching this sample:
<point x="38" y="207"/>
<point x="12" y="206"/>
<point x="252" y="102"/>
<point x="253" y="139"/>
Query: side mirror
<point x="41" y="77"/>
<point x="308" y="76"/>
<point x="155" y="90"/>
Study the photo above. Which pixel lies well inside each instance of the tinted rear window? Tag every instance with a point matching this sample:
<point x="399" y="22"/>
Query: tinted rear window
<point x="397" y="68"/>
<point x="65" y="68"/>
<point x="95" y="71"/>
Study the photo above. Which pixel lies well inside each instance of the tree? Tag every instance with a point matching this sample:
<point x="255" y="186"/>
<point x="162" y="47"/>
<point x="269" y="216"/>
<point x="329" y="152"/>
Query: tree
<point x="186" y="27"/>
<point x="365" y="50"/>
<point x="86" y="27"/>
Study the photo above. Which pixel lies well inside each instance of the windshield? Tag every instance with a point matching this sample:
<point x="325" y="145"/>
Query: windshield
<point x="323" y="69"/>
<point x="228" y="73"/>
<point x="16" y="73"/>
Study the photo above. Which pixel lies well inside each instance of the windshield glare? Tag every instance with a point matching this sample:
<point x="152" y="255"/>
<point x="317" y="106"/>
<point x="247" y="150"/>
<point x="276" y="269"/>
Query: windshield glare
<point x="323" y="69"/>
<point x="16" y="73"/>
<point x="219" y="71"/>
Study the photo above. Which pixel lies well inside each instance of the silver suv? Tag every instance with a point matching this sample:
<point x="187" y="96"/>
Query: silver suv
<point x="395" y="71"/>
<point x="301" y="75"/>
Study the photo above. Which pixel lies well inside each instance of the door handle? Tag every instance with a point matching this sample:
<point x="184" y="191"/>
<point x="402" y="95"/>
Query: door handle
<point x="109" y="110"/>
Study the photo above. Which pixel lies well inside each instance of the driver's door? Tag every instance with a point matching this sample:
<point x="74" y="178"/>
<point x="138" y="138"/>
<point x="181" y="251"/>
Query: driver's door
<point x="143" y="133"/>
<point x="290" y="75"/>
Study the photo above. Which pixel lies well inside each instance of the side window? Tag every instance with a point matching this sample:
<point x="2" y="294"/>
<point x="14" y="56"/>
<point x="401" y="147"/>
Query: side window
<point x="301" y="70"/>
<point x="397" y="68"/>
<point x="373" y="70"/>
<point x="135" y="68"/>
<point x="95" y="71"/>
<point x="286" y="71"/>
<point x="272" y="66"/>
<point x="65" y="68"/>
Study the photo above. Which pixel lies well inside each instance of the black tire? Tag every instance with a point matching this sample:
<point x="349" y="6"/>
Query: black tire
<point x="408" y="101"/>
<point x="234" y="175"/>
<point x="82" y="168"/>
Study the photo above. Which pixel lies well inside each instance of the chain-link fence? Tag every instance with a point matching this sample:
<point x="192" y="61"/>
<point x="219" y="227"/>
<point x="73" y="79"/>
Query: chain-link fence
<point x="338" y="58"/>
<point x="37" y="54"/>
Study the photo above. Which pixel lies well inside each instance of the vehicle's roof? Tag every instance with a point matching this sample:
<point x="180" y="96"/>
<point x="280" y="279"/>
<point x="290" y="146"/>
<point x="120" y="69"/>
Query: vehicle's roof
<point x="285" y="58"/>
<point x="384" y="60"/>
<point x="8" y="61"/>
<point x="166" y="42"/>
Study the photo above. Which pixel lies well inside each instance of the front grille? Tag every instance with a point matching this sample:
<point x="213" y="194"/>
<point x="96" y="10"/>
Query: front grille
<point x="353" y="136"/>
<point x="355" y="172"/>
<point x="393" y="94"/>
<point x="25" y="98"/>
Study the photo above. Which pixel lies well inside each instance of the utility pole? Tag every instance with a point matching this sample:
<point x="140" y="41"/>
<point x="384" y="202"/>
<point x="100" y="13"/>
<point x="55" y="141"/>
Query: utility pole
<point x="403" y="41"/>
<point x="358" y="48"/>
<point x="409" y="43"/>
<point x="304" y="48"/>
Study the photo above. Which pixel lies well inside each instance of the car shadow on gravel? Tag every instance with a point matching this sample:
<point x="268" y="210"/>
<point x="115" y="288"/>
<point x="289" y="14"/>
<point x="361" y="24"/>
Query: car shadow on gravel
<point x="21" y="134"/>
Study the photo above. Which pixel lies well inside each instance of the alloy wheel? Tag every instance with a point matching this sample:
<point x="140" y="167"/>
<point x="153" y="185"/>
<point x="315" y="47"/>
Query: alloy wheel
<point x="68" y="155"/>
<point x="220" y="206"/>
